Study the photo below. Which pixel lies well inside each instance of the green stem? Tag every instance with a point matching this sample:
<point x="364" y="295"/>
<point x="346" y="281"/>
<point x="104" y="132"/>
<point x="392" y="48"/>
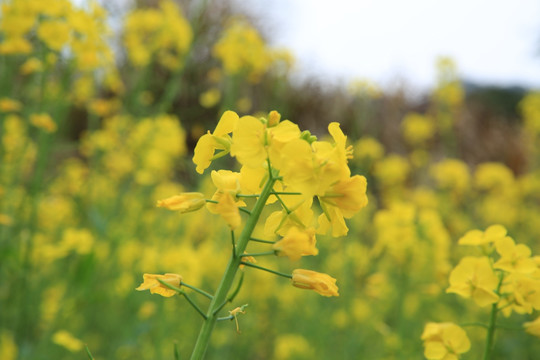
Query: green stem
<point x="241" y="209"/>
<point x="285" y="193"/>
<point x="262" y="241"/>
<point x="260" y="254"/>
<point x="202" y="292"/>
<point x="195" y="306"/>
<point x="229" y="274"/>
<point x="288" y="276"/>
<point x="282" y="204"/>
<point x="492" y="324"/>
<point x="88" y="352"/>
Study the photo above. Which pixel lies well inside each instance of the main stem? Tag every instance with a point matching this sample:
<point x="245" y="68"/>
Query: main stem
<point x="230" y="272"/>
<point x="492" y="324"/>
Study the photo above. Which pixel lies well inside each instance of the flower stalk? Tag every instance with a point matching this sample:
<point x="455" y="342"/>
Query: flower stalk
<point x="230" y="272"/>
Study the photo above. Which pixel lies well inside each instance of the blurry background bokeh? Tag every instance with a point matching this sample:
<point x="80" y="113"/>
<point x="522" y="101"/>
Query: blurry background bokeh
<point x="101" y="104"/>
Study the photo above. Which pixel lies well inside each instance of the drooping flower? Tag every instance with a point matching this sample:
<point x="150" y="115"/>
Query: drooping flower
<point x="297" y="243"/>
<point x="228" y="185"/>
<point x="184" y="202"/>
<point x="323" y="284"/>
<point x="474" y="278"/>
<point x="444" y="341"/>
<point x="151" y="282"/>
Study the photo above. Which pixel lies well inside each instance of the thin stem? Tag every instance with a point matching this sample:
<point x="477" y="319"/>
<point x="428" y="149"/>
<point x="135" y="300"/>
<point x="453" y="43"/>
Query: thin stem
<point x="260" y="254"/>
<point x="282" y="204"/>
<point x="88" y="352"/>
<point x="262" y="241"/>
<point x="195" y="306"/>
<point x="285" y="193"/>
<point x="230" y="317"/>
<point x="265" y="269"/>
<point x="202" y="292"/>
<point x="248" y="195"/>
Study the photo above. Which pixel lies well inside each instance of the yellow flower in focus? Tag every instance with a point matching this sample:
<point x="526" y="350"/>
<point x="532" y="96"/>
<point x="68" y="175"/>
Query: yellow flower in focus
<point x="228" y="185"/>
<point x="67" y="340"/>
<point x="151" y="283"/>
<point x="533" y="327"/>
<point x="321" y="283"/>
<point x="514" y="258"/>
<point x="444" y="341"/>
<point x="43" y="121"/>
<point x="477" y="237"/>
<point x="185" y="202"/>
<point x="9" y="105"/>
<point x="342" y="200"/>
<point x="219" y="140"/>
<point x="474" y="278"/>
<point x="297" y="243"/>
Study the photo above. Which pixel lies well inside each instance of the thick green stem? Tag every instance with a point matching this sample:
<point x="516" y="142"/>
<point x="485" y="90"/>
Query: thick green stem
<point x="230" y="272"/>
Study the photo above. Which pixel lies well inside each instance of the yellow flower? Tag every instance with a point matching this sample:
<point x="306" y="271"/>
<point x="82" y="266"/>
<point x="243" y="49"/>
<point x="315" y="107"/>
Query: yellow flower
<point x="444" y="341"/>
<point x="521" y="294"/>
<point x="514" y="258"/>
<point x="54" y="33"/>
<point x="151" y="282"/>
<point x="67" y="340"/>
<point x="533" y="327"/>
<point x="219" y="140"/>
<point x="185" y="202"/>
<point x="210" y="98"/>
<point x="343" y="200"/>
<point x="297" y="243"/>
<point x="321" y="283"/>
<point x="477" y="237"/>
<point x="9" y="105"/>
<point x="43" y="121"/>
<point x="228" y="185"/>
<point x="31" y="66"/>
<point x="474" y="277"/>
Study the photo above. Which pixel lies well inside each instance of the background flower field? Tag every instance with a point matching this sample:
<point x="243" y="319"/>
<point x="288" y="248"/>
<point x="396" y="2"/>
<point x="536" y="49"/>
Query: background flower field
<point x="100" y="110"/>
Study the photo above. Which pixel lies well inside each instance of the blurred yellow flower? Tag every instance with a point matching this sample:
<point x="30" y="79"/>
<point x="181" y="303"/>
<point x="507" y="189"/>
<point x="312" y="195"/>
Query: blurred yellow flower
<point x="151" y="282"/>
<point x="323" y="284"/>
<point x="477" y="237"/>
<point x="43" y="121"/>
<point x="31" y="66"/>
<point x="210" y="98"/>
<point x="184" y="202"/>
<point x="444" y="341"/>
<point x="9" y="105"/>
<point x="533" y="327"/>
<point x="417" y="129"/>
<point x="67" y="340"/>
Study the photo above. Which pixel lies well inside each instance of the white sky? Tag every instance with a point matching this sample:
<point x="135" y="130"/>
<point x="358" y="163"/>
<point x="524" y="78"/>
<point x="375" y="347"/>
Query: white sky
<point x="492" y="41"/>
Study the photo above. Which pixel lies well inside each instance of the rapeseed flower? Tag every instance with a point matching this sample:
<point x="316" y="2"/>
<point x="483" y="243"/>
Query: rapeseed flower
<point x="514" y="258"/>
<point x="218" y="140"/>
<point x="474" y="278"/>
<point x="533" y="327"/>
<point x="151" y="282"/>
<point x="444" y="341"/>
<point x="297" y="243"/>
<point x="321" y="283"/>
<point x="184" y="202"/>
<point x="477" y="237"/>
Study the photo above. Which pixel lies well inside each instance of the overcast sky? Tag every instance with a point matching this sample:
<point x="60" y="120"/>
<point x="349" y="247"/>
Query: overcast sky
<point x="492" y="41"/>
